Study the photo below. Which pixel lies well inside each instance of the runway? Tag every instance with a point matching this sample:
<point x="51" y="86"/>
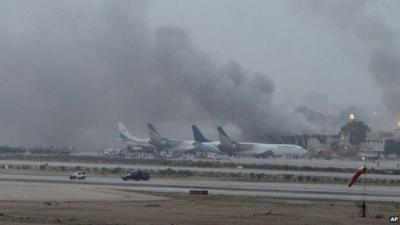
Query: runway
<point x="202" y="169"/>
<point x="290" y="190"/>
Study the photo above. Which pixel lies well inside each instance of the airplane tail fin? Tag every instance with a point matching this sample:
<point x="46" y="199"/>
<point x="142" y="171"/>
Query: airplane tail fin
<point x="124" y="134"/>
<point x="224" y="139"/>
<point x="154" y="135"/>
<point x="198" y="136"/>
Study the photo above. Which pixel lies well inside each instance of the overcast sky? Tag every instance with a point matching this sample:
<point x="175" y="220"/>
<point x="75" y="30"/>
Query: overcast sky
<point x="69" y="70"/>
<point x="300" y="51"/>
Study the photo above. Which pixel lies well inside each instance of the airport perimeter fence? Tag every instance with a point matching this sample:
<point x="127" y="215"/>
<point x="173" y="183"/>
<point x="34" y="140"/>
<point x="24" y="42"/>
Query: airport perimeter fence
<point x="189" y="174"/>
<point x="185" y="163"/>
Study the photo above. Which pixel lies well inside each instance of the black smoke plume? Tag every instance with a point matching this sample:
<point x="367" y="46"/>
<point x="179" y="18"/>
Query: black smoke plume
<point x="70" y="70"/>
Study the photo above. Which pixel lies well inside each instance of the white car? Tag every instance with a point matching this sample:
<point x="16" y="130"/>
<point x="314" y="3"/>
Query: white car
<point x="78" y="175"/>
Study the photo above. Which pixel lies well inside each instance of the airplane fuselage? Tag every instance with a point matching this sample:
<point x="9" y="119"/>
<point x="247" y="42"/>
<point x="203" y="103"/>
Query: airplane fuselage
<point x="260" y="149"/>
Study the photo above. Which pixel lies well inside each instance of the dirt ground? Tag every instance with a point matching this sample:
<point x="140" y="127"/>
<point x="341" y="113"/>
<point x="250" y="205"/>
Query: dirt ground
<point x="181" y="209"/>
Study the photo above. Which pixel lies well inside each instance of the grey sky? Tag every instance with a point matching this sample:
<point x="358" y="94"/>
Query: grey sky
<point x="300" y="52"/>
<point x="69" y="70"/>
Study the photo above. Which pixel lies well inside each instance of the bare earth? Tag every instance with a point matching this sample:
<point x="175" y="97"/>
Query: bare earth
<point x="178" y="209"/>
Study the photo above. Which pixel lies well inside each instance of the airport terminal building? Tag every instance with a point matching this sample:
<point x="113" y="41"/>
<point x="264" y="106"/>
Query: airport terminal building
<point x="379" y="144"/>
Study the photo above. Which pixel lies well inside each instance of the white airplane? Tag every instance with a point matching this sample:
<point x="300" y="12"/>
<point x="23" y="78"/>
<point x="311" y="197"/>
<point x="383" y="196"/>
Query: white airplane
<point x="126" y="137"/>
<point x="203" y="143"/>
<point x="175" y="145"/>
<point x="257" y="149"/>
<point x="159" y="142"/>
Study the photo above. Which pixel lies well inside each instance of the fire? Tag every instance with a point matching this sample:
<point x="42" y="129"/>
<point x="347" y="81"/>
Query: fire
<point x="352" y="116"/>
<point x="398" y="124"/>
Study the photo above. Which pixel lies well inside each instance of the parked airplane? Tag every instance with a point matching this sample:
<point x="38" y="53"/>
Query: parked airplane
<point x="256" y="149"/>
<point x="162" y="143"/>
<point x="127" y="138"/>
<point x="159" y="141"/>
<point x="175" y="145"/>
<point x="204" y="143"/>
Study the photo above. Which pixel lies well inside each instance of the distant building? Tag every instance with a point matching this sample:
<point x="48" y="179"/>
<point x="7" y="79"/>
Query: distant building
<point x="376" y="142"/>
<point x="111" y="152"/>
<point x="321" y="143"/>
<point x="396" y="133"/>
<point x="315" y="144"/>
<point x="128" y="153"/>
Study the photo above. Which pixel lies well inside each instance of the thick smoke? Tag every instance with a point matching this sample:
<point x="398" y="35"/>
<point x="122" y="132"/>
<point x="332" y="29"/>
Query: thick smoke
<point x="224" y="93"/>
<point x="372" y="30"/>
<point x="71" y="69"/>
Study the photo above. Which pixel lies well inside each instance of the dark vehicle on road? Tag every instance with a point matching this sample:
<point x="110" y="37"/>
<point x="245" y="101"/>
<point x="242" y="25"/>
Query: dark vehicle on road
<point x="137" y="175"/>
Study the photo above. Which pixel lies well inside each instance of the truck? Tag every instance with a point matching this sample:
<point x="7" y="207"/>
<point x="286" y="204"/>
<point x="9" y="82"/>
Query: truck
<point x="137" y="176"/>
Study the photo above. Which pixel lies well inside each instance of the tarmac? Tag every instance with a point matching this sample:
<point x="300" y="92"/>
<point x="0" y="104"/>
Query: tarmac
<point x="15" y="187"/>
